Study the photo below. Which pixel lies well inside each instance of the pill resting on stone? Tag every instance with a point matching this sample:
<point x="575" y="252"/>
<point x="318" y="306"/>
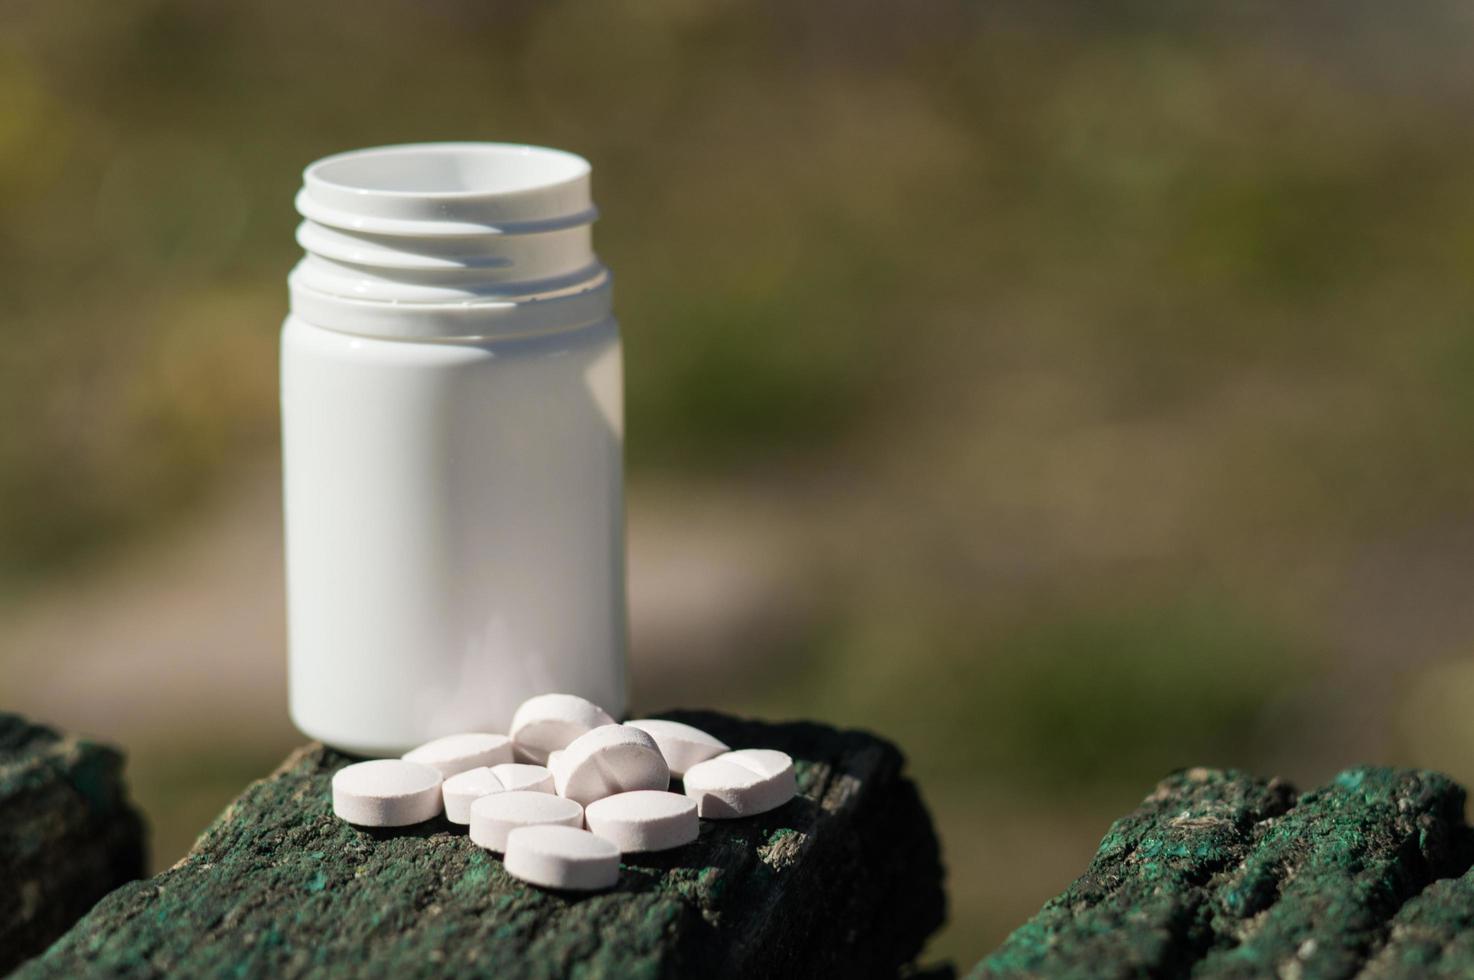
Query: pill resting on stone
<point x="561" y="857"/>
<point x="644" y="820"/>
<point x="465" y="788"/>
<point x="682" y="745"/>
<point x="608" y="760"/>
<point x="550" y="721"/>
<point x="495" y="816"/>
<point x="457" y="753"/>
<point x="741" y="783"/>
<point x="386" y="793"/>
<point x="520" y="775"/>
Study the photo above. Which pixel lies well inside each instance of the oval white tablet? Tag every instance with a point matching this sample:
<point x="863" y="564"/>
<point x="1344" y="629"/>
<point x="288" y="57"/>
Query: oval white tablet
<point x="644" y="820"/>
<point x="386" y="793"/>
<point x="465" y="788"/>
<point x="551" y="721"/>
<point x="609" y="760"/>
<point x="495" y="816"/>
<point x="521" y="776"/>
<point x="561" y="857"/>
<point x="457" y="753"/>
<point x="741" y="783"/>
<point x="682" y="745"/>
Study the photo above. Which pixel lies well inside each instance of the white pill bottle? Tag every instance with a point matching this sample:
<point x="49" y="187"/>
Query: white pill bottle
<point x="452" y="404"/>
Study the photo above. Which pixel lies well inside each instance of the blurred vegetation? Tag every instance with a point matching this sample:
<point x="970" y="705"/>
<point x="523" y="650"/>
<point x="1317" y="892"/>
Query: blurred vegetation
<point x="1110" y="365"/>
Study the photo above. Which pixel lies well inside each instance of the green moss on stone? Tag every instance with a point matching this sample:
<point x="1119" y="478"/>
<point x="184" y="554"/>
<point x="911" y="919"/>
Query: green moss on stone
<point x="68" y="834"/>
<point x="279" y="887"/>
<point x="1219" y="874"/>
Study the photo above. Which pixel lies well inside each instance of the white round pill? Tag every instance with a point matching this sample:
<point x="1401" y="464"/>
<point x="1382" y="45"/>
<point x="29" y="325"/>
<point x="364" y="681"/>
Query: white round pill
<point x="457" y="753"/>
<point x="550" y="721"/>
<point x="682" y="745"/>
<point x="495" y="816"/>
<point x="465" y="788"/>
<point x="386" y="793"/>
<point x="609" y="760"/>
<point x="561" y="857"/>
<point x="644" y="820"/>
<point x="553" y="758"/>
<point x="521" y="776"/>
<point x="741" y="783"/>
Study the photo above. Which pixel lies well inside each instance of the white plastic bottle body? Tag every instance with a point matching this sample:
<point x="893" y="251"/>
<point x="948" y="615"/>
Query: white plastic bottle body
<point x="451" y="386"/>
<point x="455" y="530"/>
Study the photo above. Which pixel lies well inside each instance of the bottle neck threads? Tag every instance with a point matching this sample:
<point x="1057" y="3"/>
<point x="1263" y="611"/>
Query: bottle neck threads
<point x="448" y="241"/>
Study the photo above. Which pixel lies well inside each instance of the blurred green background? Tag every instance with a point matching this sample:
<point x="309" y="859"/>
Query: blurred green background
<point x="1070" y="393"/>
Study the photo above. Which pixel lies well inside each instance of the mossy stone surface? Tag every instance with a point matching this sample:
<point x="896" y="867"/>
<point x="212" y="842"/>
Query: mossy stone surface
<point x="1220" y="874"/>
<point x="844" y="880"/>
<point x="68" y="834"/>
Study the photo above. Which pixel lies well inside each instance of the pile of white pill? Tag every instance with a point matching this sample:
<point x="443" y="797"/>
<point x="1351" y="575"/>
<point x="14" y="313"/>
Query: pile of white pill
<point x="569" y="789"/>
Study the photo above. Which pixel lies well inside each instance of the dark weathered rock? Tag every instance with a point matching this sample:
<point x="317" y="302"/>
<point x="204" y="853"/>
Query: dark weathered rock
<point x="67" y="834"/>
<point x="1219" y="874"/>
<point x="1431" y="936"/>
<point x="844" y="880"/>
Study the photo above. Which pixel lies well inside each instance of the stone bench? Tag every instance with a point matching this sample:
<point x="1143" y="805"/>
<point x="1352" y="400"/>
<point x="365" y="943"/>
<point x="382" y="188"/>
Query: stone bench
<point x="843" y="881"/>
<point x="1216" y="874"/>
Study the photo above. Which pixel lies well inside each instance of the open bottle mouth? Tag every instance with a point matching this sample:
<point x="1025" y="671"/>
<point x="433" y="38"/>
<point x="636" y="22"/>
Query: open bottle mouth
<point x="449" y="189"/>
<point x="447" y="170"/>
<point x="448" y="240"/>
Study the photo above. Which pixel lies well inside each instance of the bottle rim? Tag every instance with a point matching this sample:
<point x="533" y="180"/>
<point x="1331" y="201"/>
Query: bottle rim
<point x="449" y="189"/>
